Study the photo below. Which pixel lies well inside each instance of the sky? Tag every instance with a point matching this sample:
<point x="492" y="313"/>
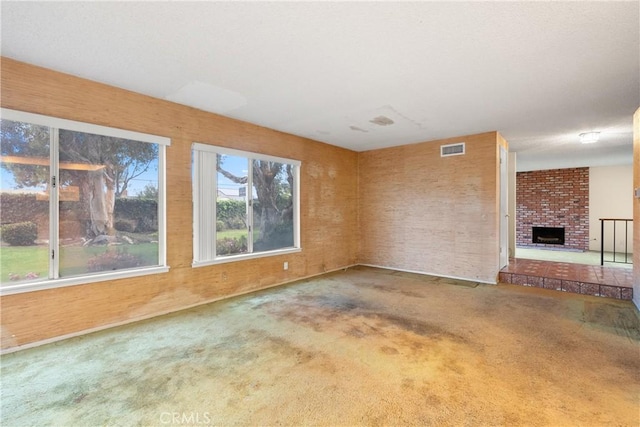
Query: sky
<point x="235" y="165"/>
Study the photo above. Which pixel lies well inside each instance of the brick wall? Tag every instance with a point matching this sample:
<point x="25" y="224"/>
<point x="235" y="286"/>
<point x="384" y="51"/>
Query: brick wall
<point x="553" y="198"/>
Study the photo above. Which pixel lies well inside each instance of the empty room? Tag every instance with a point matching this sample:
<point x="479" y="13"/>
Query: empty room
<point x="319" y="213"/>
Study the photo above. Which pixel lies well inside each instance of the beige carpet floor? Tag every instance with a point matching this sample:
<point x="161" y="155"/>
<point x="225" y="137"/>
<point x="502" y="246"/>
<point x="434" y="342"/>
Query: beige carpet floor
<point x="359" y="347"/>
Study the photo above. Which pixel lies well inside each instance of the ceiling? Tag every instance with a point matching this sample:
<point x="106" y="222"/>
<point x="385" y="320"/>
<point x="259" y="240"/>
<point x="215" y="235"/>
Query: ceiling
<point x="365" y="75"/>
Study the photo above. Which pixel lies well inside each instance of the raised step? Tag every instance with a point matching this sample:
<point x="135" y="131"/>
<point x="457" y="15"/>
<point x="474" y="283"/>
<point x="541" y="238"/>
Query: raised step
<point x="582" y="279"/>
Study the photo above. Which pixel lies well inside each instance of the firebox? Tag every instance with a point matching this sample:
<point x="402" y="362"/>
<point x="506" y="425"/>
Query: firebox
<point x="548" y="235"/>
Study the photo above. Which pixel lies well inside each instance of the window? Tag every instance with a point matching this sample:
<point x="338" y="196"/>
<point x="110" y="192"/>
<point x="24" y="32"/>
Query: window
<point x="79" y="203"/>
<point x="246" y="205"/>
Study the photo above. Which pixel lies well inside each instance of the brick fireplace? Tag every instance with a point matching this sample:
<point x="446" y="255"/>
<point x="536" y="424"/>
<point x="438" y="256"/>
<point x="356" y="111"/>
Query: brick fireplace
<point x="553" y="199"/>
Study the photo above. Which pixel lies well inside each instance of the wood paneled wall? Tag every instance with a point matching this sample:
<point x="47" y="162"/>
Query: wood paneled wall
<point x="636" y="208"/>
<point x="403" y="207"/>
<point x="329" y="227"/>
<point x="425" y="213"/>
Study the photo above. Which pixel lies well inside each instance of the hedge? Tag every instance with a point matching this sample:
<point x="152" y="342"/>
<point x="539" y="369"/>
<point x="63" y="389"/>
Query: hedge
<point x="20" y="233"/>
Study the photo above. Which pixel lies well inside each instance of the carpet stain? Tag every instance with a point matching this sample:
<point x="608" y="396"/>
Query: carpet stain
<point x="404" y="292"/>
<point x="414" y="326"/>
<point x="389" y="350"/>
<point x="360" y="347"/>
<point x="621" y="320"/>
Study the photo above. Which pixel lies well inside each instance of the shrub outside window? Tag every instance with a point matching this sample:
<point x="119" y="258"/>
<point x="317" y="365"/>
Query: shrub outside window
<point x="246" y="205"/>
<point x="79" y="203"/>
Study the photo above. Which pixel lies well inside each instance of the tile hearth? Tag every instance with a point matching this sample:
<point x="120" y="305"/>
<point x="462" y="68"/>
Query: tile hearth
<point x="567" y="277"/>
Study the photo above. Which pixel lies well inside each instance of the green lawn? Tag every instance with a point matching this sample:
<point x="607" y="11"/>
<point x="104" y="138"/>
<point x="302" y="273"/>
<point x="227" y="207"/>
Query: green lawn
<point x="21" y="260"/>
<point x="235" y="234"/>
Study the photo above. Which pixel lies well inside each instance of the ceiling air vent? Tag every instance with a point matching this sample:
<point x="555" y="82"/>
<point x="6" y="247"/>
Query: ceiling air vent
<point x="452" y="149"/>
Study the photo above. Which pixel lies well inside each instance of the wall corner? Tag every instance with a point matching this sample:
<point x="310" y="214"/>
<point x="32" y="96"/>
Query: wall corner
<point x="636" y="209"/>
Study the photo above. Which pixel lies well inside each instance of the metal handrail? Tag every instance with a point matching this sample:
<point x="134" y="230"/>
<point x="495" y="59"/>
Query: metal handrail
<point x="626" y="240"/>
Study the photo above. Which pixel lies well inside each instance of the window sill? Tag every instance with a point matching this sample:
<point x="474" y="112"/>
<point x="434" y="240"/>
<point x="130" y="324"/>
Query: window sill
<point x="10" y="289"/>
<point x="243" y="257"/>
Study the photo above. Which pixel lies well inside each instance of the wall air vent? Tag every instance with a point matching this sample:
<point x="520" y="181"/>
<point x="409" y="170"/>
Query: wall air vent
<point x="452" y="149"/>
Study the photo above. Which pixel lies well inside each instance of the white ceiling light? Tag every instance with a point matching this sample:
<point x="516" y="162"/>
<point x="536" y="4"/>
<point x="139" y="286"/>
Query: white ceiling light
<point x="589" y="137"/>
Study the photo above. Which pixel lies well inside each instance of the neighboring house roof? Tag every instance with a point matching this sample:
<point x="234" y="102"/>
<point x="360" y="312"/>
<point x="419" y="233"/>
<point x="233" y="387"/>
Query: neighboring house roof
<point x="230" y="193"/>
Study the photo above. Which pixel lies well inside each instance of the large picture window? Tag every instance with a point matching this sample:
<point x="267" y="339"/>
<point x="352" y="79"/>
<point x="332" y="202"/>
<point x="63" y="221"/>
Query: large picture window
<point x="78" y="202"/>
<point x="245" y="205"/>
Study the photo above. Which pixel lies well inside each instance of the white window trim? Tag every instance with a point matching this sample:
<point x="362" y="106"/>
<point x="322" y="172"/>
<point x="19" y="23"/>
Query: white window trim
<point x="54" y="122"/>
<point x="239" y="153"/>
<point x="57" y="123"/>
<point x="242" y="257"/>
<point x="199" y="195"/>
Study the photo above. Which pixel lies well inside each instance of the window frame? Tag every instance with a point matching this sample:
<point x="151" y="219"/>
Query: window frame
<point x="202" y="191"/>
<point x="55" y="124"/>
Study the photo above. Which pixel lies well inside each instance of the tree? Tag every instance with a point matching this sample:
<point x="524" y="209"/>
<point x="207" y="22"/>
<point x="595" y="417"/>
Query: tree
<point x="24" y="139"/>
<point x="273" y="182"/>
<point x="101" y="167"/>
<point x="149" y="191"/>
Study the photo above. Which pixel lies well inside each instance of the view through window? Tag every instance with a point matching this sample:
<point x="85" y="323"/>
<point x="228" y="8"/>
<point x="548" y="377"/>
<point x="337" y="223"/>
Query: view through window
<point x="254" y="208"/>
<point x="76" y="203"/>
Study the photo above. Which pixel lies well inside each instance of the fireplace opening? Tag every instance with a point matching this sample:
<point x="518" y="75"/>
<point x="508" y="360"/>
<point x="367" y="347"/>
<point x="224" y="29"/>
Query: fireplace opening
<point x="548" y="235"/>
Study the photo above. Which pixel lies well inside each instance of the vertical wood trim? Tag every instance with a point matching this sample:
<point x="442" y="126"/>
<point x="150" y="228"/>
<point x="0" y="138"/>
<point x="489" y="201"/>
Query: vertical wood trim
<point x="636" y="208"/>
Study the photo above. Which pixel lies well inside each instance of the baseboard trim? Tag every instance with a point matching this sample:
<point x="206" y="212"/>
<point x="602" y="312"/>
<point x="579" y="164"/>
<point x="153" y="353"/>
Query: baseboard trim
<point x="426" y="273"/>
